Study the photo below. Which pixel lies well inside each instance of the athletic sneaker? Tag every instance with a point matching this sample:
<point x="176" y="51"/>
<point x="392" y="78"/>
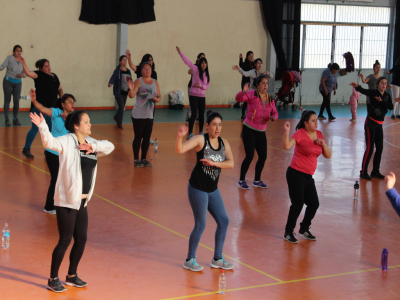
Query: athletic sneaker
<point x="192" y="265"/>
<point x="332" y="118"/>
<point x="27" y="153"/>
<point x="307" y="234"/>
<point x="55" y="285"/>
<point x="221" y="264"/>
<point x="145" y="163"/>
<point x="16" y="122"/>
<point x="138" y="163"/>
<point x="243" y="185"/>
<point x="151" y="142"/>
<point x="190" y="136"/>
<point x="8" y="122"/>
<point x="321" y="118"/>
<point x="353" y="120"/>
<point x="365" y="176"/>
<point x="75" y="281"/>
<point x="290" y="238"/>
<point x="377" y="175"/>
<point x="393" y="117"/>
<point x="260" y="184"/>
<point x="50" y="212"/>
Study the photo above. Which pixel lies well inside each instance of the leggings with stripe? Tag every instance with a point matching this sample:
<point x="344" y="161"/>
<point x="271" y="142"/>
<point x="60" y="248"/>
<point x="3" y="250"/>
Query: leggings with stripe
<point x="373" y="137"/>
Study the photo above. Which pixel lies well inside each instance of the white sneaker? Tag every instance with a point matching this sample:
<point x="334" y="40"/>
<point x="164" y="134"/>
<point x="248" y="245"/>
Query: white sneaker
<point x="50" y="212"/>
<point x="221" y="264"/>
<point x="192" y="265"/>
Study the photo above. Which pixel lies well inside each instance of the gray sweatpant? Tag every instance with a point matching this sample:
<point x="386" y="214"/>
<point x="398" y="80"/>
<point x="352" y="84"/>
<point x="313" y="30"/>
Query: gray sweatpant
<point x="13" y="89"/>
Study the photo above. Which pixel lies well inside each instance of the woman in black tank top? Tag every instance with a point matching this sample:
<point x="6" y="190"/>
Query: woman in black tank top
<point x="213" y="154"/>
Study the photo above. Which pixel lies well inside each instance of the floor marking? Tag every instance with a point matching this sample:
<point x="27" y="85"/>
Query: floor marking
<point x="282" y="282"/>
<point x="152" y="222"/>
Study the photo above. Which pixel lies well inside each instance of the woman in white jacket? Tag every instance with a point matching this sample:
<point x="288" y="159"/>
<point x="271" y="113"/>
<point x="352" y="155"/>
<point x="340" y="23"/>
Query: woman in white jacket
<point x="75" y="183"/>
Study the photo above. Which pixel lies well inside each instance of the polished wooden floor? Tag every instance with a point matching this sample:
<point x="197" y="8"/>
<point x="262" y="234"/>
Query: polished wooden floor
<point x="140" y="220"/>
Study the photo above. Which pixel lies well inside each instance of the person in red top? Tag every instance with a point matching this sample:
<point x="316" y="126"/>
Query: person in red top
<point x="309" y="144"/>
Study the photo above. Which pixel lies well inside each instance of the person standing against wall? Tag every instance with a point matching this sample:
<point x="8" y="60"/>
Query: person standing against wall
<point x="197" y="96"/>
<point x="147" y="92"/>
<point x="371" y="80"/>
<point x="12" y="84"/>
<point x="327" y="85"/>
<point x="309" y="144"/>
<point x="254" y="73"/>
<point x="48" y="87"/>
<point x="247" y="65"/>
<point x="190" y="72"/>
<point x="120" y="79"/>
<point x="395" y="87"/>
<point x="261" y="109"/>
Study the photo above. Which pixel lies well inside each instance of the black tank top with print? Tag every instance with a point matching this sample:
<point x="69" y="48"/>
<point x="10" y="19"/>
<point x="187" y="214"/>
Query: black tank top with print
<point x="205" y="178"/>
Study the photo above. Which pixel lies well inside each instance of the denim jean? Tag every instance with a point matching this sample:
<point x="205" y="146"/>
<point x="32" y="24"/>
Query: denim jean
<point x="34" y="129"/>
<point x="201" y="202"/>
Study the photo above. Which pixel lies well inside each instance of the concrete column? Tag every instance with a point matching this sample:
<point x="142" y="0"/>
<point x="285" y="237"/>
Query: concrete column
<point x="270" y="64"/>
<point x="122" y="39"/>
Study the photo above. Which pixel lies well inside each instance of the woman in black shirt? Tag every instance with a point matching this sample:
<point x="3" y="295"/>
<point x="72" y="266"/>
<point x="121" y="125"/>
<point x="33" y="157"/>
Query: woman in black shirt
<point x="48" y="87"/>
<point x="213" y="154"/>
<point x="247" y="65"/>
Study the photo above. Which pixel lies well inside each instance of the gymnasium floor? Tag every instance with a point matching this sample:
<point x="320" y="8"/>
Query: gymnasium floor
<point x="140" y="220"/>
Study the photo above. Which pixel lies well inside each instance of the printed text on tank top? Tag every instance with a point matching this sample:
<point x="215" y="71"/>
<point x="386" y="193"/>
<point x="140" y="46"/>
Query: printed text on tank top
<point x="215" y="155"/>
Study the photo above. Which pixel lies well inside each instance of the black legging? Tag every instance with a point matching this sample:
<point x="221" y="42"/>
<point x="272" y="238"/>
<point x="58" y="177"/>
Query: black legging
<point x="197" y="103"/>
<point x="301" y="191"/>
<point x="119" y="116"/>
<point x="142" y="129"/>
<point x="373" y="136"/>
<point x="244" y="105"/>
<point x="253" y="139"/>
<point x="53" y="164"/>
<point x="71" y="223"/>
<point x="326" y="103"/>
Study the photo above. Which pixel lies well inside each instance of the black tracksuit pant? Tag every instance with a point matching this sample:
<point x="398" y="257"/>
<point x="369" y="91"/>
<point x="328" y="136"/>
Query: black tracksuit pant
<point x="373" y="137"/>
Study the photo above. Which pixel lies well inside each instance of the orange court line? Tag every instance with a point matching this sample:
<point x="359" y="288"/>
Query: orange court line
<point x="150" y="221"/>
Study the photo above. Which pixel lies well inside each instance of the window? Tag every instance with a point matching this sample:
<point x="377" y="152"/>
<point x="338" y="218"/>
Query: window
<point x="328" y="31"/>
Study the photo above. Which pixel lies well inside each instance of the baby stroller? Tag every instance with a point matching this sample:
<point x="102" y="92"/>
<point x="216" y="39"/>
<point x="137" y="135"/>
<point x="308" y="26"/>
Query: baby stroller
<point x="285" y="95"/>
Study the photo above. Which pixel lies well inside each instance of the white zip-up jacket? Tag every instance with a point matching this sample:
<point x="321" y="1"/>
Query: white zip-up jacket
<point x="68" y="192"/>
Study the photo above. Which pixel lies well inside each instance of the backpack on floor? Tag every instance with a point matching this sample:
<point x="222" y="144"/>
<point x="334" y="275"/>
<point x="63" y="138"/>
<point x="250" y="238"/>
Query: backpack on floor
<point x="176" y="99"/>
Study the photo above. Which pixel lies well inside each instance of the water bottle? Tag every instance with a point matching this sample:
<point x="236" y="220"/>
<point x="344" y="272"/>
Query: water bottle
<point x="384" y="259"/>
<point x="5" y="239"/>
<point x="356" y="188"/>
<point x="156" y="145"/>
<point x="232" y="103"/>
<point x="222" y="283"/>
<point x="343" y="101"/>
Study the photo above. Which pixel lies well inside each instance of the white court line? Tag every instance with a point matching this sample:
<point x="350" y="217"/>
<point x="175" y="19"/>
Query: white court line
<point x="387" y="141"/>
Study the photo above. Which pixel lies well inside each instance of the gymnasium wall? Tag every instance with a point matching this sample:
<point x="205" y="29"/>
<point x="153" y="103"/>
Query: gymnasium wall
<point x="83" y="55"/>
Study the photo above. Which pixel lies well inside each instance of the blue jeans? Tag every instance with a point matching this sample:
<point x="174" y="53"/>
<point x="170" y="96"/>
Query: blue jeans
<point x="201" y="202"/>
<point x="34" y="129"/>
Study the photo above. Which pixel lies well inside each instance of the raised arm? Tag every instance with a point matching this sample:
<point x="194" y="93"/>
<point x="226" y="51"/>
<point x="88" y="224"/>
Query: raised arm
<point x="242" y="96"/>
<point x="241" y="64"/>
<point x="364" y="80"/>
<point x="28" y="73"/>
<point x="48" y="140"/>
<point x="286" y="143"/>
<point x="227" y="164"/>
<point x="268" y="74"/>
<point x="47" y="111"/>
<point x="186" y="60"/>
<point x="133" y="88"/>
<point x="196" y="142"/>
<point x="369" y="93"/>
<point x="128" y="55"/>
<point x="102" y="148"/>
<point x="250" y="73"/>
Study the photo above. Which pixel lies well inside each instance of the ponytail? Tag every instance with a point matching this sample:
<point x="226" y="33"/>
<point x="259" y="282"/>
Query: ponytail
<point x="305" y="117"/>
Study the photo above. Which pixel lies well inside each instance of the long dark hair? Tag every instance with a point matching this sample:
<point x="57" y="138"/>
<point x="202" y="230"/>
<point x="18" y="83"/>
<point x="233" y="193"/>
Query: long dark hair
<point x="201" y="72"/>
<point x="198" y="57"/>
<point x="211" y="115"/>
<point x="17" y="46"/>
<point x="146" y="58"/>
<point x="247" y="57"/>
<point x="305" y="117"/>
<point x="40" y="63"/>
<point x="74" y="119"/>
<point x="58" y="103"/>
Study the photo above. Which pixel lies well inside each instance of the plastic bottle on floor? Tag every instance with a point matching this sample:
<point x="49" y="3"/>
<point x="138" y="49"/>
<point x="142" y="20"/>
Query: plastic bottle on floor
<point x="356" y="188"/>
<point x="384" y="259"/>
<point x="5" y="239"/>
<point x="222" y="283"/>
<point x="156" y="145"/>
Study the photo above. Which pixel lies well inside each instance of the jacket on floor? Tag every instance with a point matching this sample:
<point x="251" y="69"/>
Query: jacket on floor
<point x="257" y="114"/>
<point x="377" y="109"/>
<point x="68" y="191"/>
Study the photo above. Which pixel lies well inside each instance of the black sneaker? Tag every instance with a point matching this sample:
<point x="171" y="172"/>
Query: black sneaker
<point x="332" y="118"/>
<point x="290" y="238"/>
<point x="75" y="281"/>
<point x="138" y="163"/>
<point x="321" y="118"/>
<point x="27" y="153"/>
<point x="145" y="163"/>
<point x="55" y="285"/>
<point x="377" y="175"/>
<point x="365" y="176"/>
<point x="307" y="234"/>
<point x="16" y="122"/>
<point x="8" y="123"/>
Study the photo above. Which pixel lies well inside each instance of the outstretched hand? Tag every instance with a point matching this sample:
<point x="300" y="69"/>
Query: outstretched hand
<point x="353" y="84"/>
<point x="379" y="99"/>
<point x="32" y="93"/>
<point x="177" y="49"/>
<point x="265" y="73"/>
<point x="246" y="87"/>
<point x="36" y="119"/>
<point x="320" y="142"/>
<point x="208" y="162"/>
<point x="361" y="76"/>
<point x="390" y="180"/>
<point x="287" y="126"/>
<point x="240" y="56"/>
<point x="128" y="54"/>
<point x="86" y="147"/>
<point x="182" y="131"/>
<point x="235" y="68"/>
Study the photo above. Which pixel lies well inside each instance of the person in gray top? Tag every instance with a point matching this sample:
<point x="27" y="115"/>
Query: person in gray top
<point x="12" y="84"/>
<point x="147" y="93"/>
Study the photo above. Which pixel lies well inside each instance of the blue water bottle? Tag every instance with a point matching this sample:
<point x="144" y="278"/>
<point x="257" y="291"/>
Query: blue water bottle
<point x="384" y="260"/>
